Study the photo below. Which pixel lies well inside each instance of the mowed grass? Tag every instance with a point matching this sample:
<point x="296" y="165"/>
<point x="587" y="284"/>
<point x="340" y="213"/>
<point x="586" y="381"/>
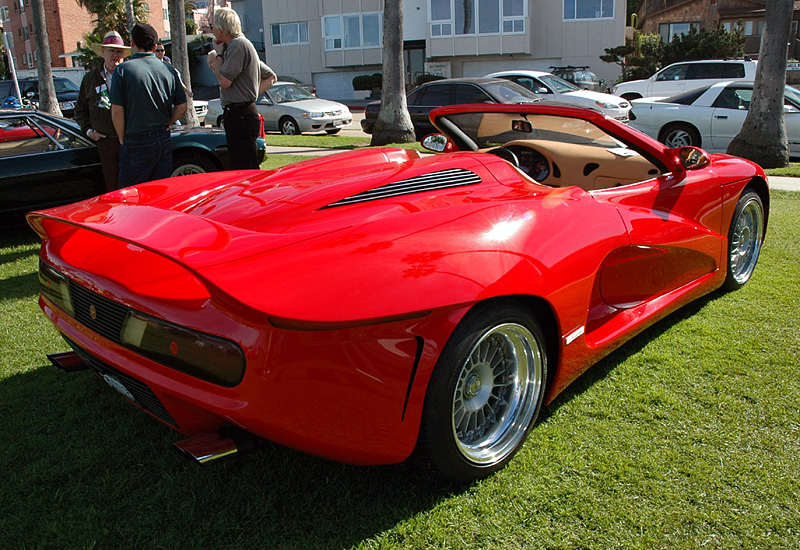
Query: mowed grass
<point x="686" y="437"/>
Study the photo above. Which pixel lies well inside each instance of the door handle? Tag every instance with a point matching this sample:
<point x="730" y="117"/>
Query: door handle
<point x="721" y="116"/>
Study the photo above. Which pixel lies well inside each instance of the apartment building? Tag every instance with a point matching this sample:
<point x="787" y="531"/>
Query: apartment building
<point x="329" y="42"/>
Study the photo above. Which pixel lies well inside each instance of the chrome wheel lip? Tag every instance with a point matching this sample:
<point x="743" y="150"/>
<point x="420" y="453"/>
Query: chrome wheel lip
<point x="745" y="245"/>
<point x="511" y="405"/>
<point x="188" y="169"/>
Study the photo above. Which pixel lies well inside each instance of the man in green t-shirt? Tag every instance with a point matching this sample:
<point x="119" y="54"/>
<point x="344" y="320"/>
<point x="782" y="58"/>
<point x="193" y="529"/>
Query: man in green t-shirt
<point x="146" y="98"/>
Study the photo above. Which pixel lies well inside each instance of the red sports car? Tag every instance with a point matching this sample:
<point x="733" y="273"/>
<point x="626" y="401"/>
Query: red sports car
<point x="375" y="303"/>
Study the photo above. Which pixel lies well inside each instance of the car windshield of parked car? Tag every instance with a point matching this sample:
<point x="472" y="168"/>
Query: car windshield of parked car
<point x="509" y="92"/>
<point x="792" y="94"/>
<point x="286" y="93"/>
<point x="27" y="135"/>
<point x="685" y="98"/>
<point x="62" y="85"/>
<point x="496" y="129"/>
<point x="558" y="84"/>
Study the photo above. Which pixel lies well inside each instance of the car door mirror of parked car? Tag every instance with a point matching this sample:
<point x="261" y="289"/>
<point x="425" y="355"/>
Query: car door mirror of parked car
<point x="438" y="143"/>
<point x="693" y="158"/>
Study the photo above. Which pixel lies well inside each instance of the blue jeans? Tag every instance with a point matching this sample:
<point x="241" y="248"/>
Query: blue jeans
<point x="144" y="157"/>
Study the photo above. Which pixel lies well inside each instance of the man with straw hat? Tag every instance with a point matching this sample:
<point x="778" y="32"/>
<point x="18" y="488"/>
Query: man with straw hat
<point x="93" y="108"/>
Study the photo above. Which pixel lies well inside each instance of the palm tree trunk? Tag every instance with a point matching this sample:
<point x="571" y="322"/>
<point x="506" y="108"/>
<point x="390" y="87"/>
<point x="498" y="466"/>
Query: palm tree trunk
<point x="48" y="102"/>
<point x="180" y="56"/>
<point x="762" y="138"/>
<point x="394" y="122"/>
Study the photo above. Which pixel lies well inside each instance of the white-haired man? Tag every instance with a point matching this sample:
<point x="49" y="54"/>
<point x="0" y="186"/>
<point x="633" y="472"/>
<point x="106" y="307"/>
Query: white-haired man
<point x="242" y="77"/>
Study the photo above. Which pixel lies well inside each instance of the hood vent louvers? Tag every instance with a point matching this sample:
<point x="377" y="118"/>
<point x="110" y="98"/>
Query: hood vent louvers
<point x="444" y="179"/>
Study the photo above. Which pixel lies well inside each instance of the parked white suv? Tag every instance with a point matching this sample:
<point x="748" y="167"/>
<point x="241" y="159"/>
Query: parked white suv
<point x="685" y="76"/>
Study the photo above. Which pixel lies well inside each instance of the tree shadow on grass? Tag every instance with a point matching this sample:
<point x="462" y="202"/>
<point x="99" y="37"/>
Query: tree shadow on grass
<point x="605" y="366"/>
<point x="83" y="468"/>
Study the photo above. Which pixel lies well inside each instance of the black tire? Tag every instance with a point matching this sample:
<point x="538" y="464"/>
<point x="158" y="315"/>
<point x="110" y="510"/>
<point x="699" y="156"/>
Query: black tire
<point x="745" y="237"/>
<point x="333" y="131"/>
<point x="221" y="121"/>
<point x="288" y="126"/>
<point x="630" y="96"/>
<point x="188" y="163"/>
<point x="485" y="393"/>
<point x="679" y="134"/>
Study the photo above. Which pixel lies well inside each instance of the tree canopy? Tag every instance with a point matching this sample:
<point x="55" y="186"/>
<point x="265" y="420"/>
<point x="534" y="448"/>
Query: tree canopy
<point x="646" y="53"/>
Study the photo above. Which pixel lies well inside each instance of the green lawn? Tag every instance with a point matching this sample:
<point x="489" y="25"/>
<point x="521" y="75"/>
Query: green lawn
<point x="687" y="437"/>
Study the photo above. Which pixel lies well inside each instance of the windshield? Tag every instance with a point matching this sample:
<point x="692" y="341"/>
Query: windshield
<point x="63" y="85"/>
<point x="285" y="93"/>
<point x="495" y="129"/>
<point x="509" y="92"/>
<point x="792" y="93"/>
<point x="558" y="84"/>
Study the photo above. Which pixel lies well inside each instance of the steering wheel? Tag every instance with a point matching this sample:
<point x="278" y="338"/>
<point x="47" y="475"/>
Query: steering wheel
<point x="505" y="154"/>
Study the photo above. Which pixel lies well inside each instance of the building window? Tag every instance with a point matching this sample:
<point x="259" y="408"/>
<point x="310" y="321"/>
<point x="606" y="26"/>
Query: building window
<point x="289" y="33"/>
<point x="459" y="17"/>
<point x="668" y="30"/>
<point x="753" y="28"/>
<point x="588" y="9"/>
<point x="4" y="13"/>
<point x="352" y="30"/>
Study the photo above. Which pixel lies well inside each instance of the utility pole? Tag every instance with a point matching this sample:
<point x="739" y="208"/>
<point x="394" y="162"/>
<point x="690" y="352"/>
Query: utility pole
<point x="10" y="57"/>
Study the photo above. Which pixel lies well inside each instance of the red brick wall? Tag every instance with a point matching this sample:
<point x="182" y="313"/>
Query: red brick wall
<point x="67" y="22"/>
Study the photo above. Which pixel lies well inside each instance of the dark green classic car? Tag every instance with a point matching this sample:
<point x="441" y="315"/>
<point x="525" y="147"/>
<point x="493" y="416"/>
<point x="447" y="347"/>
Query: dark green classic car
<point x="47" y="161"/>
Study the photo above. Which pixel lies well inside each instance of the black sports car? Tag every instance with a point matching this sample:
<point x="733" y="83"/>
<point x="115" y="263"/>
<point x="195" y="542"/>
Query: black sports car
<point x="47" y="161"/>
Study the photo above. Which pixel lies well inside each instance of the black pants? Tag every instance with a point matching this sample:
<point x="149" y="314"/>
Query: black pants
<point x="242" y="128"/>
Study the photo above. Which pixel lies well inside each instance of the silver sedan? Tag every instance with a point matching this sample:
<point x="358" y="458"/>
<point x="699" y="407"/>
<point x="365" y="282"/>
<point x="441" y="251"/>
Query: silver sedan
<point x="289" y="109"/>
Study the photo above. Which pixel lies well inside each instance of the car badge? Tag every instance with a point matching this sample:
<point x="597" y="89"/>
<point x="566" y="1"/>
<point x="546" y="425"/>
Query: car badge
<point x="93" y="312"/>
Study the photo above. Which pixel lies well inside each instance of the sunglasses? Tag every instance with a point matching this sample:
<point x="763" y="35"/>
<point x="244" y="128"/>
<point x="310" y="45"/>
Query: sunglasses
<point x="161" y="50"/>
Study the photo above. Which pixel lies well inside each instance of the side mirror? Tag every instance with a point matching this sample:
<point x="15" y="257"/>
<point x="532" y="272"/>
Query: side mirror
<point x="693" y="158"/>
<point x="542" y="90"/>
<point x="438" y="143"/>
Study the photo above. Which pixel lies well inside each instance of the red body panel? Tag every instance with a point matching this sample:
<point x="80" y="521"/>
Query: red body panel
<point x="342" y="310"/>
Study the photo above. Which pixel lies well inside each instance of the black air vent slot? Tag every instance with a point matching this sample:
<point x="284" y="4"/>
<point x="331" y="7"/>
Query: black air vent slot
<point x="444" y="179"/>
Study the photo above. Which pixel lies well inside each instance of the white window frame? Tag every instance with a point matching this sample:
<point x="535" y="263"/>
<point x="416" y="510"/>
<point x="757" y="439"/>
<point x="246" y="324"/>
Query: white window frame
<point x="5" y="13"/>
<point x="692" y="24"/>
<point x="281" y="26"/>
<point x="575" y="17"/>
<point x="335" y="42"/>
<point x="445" y="27"/>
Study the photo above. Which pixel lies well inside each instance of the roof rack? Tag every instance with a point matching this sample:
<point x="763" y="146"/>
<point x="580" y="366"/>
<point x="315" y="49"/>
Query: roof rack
<point x="569" y="67"/>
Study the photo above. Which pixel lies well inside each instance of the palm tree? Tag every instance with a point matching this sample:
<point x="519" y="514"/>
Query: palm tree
<point x="48" y="102"/>
<point x="394" y="122"/>
<point x="112" y="15"/>
<point x="180" y="56"/>
<point x="762" y="138"/>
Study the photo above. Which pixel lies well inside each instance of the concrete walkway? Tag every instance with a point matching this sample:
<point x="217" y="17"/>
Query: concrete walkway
<point x="786" y="184"/>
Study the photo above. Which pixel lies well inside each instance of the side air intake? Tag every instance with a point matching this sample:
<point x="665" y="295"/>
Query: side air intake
<point x="444" y="179"/>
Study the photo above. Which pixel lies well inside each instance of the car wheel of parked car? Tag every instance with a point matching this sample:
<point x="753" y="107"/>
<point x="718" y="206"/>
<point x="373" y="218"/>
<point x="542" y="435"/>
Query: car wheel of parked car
<point x="221" y="121"/>
<point x="679" y="135"/>
<point x="745" y="237"/>
<point x="485" y="392"/>
<point x="289" y="127"/>
<point x="631" y="96"/>
<point x="333" y="131"/>
<point x="186" y="164"/>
